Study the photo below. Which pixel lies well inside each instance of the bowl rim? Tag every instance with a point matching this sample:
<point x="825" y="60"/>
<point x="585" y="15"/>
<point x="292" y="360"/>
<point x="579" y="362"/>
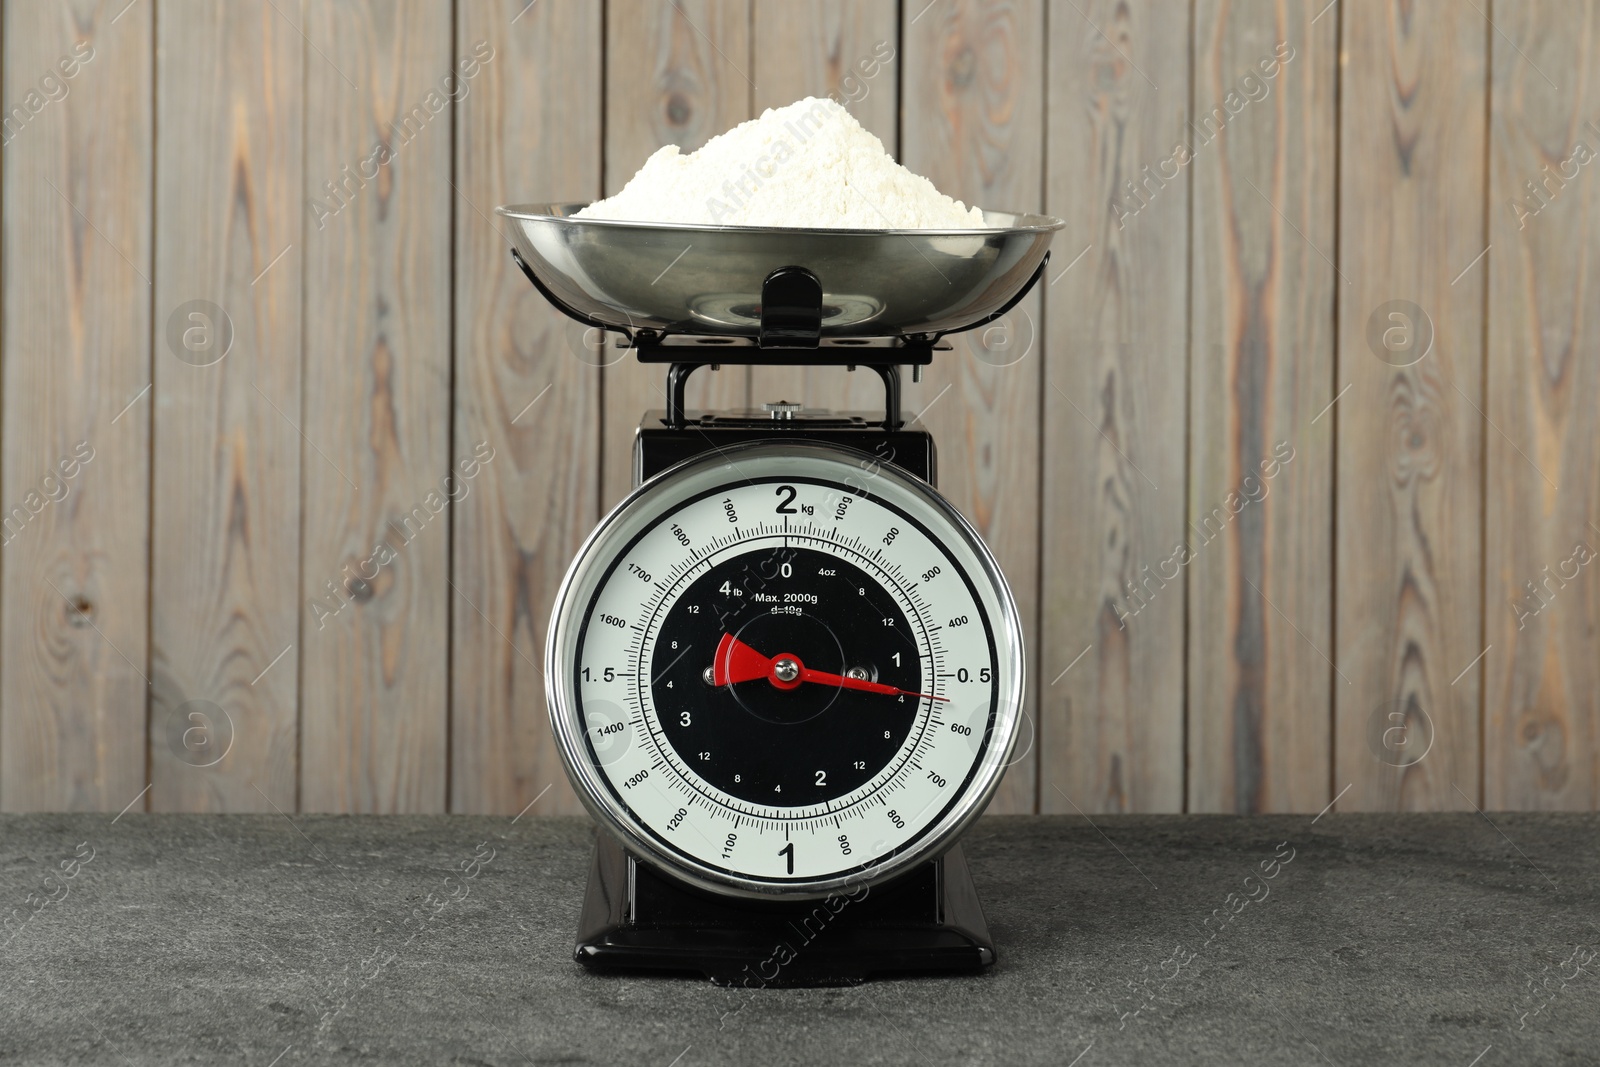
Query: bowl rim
<point x="562" y="212"/>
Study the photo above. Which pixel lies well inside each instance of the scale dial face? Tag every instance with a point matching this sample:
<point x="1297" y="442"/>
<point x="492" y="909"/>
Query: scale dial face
<point x="785" y="669"/>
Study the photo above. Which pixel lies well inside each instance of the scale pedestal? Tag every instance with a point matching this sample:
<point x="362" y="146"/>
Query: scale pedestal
<point x="928" y="920"/>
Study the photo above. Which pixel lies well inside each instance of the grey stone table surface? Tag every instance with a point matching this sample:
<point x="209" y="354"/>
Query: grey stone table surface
<point x="1462" y="940"/>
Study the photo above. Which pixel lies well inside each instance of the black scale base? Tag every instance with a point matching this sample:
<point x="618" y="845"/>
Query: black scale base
<point x="927" y="921"/>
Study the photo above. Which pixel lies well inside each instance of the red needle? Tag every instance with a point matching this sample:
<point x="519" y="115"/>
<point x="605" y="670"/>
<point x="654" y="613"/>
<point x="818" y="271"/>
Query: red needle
<point x="738" y="662"/>
<point x="846" y="682"/>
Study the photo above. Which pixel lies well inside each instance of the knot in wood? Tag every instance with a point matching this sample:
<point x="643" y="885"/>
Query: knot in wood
<point x="679" y="110"/>
<point x="962" y="67"/>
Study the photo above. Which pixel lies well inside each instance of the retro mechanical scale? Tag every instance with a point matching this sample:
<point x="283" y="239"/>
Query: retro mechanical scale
<point x="784" y="674"/>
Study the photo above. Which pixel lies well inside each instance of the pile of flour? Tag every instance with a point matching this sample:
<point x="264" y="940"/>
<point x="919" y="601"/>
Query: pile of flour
<point x="810" y="164"/>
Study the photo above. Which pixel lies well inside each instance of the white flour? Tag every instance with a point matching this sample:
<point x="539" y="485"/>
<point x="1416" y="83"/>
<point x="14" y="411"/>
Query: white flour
<point x="810" y="164"/>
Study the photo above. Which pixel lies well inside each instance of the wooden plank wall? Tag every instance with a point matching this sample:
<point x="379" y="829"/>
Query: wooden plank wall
<point x="1410" y="461"/>
<point x="1541" y="678"/>
<point x="527" y="395"/>
<point x="1293" y="463"/>
<point x="1110" y="678"/>
<point x="373" y="696"/>
<point x="1261" y="370"/>
<point x="226" y="511"/>
<point x="77" y="267"/>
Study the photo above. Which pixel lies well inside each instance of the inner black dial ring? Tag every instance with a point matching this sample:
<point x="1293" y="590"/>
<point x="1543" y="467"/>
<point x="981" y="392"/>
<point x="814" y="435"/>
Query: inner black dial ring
<point x="806" y="743"/>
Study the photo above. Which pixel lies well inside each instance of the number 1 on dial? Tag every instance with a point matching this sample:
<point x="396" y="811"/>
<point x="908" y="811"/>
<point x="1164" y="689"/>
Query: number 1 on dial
<point x="788" y="850"/>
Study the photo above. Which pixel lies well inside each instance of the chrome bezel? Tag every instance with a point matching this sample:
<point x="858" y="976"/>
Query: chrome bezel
<point x="644" y="507"/>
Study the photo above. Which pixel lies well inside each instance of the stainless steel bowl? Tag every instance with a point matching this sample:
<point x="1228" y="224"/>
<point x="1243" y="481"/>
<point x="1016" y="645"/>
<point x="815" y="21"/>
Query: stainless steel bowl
<point x="707" y="279"/>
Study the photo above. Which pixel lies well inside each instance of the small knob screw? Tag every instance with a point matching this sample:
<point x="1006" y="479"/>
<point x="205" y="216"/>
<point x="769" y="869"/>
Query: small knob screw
<point x="783" y="409"/>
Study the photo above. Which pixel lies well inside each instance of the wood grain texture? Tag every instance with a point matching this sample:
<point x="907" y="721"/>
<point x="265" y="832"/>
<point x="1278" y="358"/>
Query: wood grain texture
<point x="846" y="50"/>
<point x="1111" y="648"/>
<point x="1260" y="524"/>
<point x="225" y="606"/>
<point x="1408" y="609"/>
<point x="1542" y="599"/>
<point x="374" y="588"/>
<point x="676" y="73"/>
<point x="973" y="123"/>
<point x="834" y="48"/>
<point x="527" y="396"/>
<point x="76" y="339"/>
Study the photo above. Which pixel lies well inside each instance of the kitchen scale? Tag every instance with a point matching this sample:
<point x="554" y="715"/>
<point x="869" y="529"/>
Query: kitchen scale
<point x="784" y="674"/>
